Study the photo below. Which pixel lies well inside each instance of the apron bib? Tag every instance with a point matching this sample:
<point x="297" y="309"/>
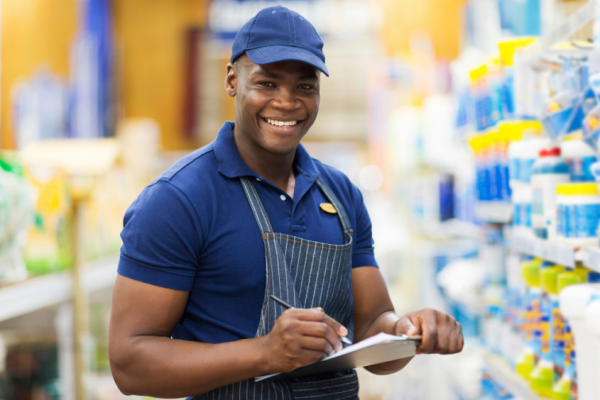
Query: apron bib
<point x="305" y="274"/>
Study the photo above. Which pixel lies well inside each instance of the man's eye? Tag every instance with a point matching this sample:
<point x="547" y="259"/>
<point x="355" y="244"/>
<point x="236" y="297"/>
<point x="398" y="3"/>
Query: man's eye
<point x="267" y="84"/>
<point x="306" y="87"/>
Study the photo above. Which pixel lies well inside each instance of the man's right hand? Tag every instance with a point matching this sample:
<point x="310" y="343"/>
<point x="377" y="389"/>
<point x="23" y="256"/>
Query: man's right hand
<point x="302" y="336"/>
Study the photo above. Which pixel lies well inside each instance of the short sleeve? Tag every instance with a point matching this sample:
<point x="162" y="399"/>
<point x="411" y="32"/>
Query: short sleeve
<point x="363" y="253"/>
<point x="161" y="238"/>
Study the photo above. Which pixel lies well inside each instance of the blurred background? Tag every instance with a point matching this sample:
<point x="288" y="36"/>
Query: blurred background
<point x="435" y="109"/>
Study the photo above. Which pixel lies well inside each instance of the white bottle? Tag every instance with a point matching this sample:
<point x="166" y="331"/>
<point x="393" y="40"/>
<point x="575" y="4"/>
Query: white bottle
<point x="573" y="302"/>
<point x="580" y="156"/>
<point x="529" y="154"/>
<point x="521" y="199"/>
<point x="517" y="153"/>
<point x="549" y="170"/>
<point x="578" y="212"/>
<point x="592" y="320"/>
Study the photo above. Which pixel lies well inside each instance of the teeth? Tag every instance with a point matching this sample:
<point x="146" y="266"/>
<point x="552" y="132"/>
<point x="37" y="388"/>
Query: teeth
<point x="281" y="123"/>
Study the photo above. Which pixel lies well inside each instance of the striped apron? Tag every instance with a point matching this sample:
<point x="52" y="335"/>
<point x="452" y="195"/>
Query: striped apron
<point x="305" y="274"/>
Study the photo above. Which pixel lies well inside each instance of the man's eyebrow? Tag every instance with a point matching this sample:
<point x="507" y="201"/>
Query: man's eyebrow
<point x="273" y="75"/>
<point x="267" y="74"/>
<point x="309" y="77"/>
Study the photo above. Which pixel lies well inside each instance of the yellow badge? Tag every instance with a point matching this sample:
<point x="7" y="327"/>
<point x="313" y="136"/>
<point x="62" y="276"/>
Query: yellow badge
<point x="328" y="208"/>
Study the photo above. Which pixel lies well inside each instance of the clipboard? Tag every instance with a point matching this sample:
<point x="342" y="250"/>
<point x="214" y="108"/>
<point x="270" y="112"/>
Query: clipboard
<point x="374" y="350"/>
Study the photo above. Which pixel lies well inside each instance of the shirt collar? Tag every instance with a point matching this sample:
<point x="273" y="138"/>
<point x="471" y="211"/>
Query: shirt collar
<point x="230" y="162"/>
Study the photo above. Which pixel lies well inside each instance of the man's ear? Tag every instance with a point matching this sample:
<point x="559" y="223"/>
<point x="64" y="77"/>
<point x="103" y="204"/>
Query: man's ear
<point x="231" y="80"/>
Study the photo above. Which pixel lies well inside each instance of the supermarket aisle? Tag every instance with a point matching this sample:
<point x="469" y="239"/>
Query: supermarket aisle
<point x="470" y="127"/>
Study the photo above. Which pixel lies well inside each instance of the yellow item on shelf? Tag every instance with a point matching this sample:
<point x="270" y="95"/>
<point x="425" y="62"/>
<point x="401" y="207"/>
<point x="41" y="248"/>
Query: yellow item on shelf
<point x="573" y="277"/>
<point x="531" y="128"/>
<point x="509" y="46"/>
<point x="562" y="387"/>
<point x="531" y="272"/>
<point x="478" y="73"/>
<point x="549" y="278"/>
<point x="542" y="380"/>
<point x="48" y="246"/>
<point x="553" y="106"/>
<point x="577" y="189"/>
<point x="542" y="377"/>
<point x="525" y="365"/>
<point x="593" y="123"/>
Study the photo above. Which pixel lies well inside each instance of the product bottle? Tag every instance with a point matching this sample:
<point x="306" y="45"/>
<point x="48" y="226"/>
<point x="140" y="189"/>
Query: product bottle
<point x="573" y="302"/>
<point x="578" y="213"/>
<point x="580" y="156"/>
<point x="530" y="272"/>
<point x="564" y="349"/>
<point x="542" y="377"/>
<point x="529" y="155"/>
<point x="548" y="171"/>
<point x="495" y="158"/>
<point x="592" y="320"/>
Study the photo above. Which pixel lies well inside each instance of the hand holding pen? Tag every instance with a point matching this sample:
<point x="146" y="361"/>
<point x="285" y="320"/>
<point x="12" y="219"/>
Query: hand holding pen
<point x="300" y="337"/>
<point x="344" y="339"/>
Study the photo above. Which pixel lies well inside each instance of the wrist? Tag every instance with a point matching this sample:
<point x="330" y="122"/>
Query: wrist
<point x="263" y="357"/>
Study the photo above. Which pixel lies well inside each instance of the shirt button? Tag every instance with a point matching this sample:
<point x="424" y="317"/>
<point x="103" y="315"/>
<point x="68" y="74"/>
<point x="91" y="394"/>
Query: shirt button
<point x="282" y="197"/>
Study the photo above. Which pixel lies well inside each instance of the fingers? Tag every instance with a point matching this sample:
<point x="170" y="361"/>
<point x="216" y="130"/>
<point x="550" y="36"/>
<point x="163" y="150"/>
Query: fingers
<point x="315" y="323"/>
<point x="322" y="330"/>
<point x="320" y="345"/>
<point x="441" y="333"/>
<point x="318" y="314"/>
<point x="429" y="331"/>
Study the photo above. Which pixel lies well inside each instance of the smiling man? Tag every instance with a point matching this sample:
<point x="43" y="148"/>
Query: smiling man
<point x="252" y="215"/>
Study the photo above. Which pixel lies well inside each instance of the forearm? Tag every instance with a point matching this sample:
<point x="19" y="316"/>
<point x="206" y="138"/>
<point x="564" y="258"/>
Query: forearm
<point x="386" y="322"/>
<point x="168" y="368"/>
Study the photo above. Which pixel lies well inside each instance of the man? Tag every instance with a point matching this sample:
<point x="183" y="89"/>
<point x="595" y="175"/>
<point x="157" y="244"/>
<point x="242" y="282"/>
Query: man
<point x="249" y="216"/>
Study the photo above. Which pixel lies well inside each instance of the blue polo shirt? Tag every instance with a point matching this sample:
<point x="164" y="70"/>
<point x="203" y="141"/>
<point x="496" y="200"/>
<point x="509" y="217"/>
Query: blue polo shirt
<point x="192" y="229"/>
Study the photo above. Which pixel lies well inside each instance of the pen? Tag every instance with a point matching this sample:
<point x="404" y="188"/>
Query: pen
<point x="286" y="305"/>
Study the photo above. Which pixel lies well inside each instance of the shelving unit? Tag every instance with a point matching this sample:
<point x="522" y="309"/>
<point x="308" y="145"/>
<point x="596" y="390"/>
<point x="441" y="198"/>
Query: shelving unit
<point x="558" y="253"/>
<point x="50" y="290"/>
<point x="494" y="211"/>
<point x="512" y="382"/>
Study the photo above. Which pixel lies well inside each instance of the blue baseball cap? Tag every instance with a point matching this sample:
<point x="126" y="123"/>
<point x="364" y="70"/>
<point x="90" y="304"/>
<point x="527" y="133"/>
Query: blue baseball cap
<point x="279" y="34"/>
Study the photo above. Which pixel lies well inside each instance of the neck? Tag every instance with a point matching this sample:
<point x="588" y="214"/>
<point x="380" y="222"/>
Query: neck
<point x="276" y="168"/>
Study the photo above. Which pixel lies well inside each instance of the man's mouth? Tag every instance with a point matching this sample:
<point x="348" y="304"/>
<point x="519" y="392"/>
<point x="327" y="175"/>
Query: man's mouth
<point x="276" y="122"/>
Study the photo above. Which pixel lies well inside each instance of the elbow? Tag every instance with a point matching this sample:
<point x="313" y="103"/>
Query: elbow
<point x="120" y="366"/>
<point x="389" y="367"/>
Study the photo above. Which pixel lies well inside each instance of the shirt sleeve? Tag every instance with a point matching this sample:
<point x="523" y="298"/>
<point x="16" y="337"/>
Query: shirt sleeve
<point x="364" y="253"/>
<point x="161" y="238"/>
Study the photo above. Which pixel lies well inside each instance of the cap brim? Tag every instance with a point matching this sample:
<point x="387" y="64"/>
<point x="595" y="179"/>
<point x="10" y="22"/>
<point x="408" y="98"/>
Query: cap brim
<point x="273" y="54"/>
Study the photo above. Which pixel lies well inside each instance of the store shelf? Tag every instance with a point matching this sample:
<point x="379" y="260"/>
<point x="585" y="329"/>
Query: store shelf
<point x="555" y="252"/>
<point x="53" y="289"/>
<point x="512" y="382"/>
<point x="494" y="211"/>
<point x="591" y="258"/>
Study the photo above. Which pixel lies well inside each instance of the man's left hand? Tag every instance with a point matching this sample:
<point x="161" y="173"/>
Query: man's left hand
<point x="441" y="333"/>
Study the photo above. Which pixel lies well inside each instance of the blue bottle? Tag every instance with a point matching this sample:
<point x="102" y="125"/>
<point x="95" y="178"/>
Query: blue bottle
<point x="549" y="170"/>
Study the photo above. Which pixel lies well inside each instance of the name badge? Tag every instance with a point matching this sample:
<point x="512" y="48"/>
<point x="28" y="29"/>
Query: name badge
<point x="328" y="208"/>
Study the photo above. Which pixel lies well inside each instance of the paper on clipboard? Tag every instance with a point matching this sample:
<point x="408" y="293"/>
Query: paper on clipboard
<point x="374" y="350"/>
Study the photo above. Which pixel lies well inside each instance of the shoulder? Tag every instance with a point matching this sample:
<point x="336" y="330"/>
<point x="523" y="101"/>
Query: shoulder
<point x="188" y="166"/>
<point x="177" y="189"/>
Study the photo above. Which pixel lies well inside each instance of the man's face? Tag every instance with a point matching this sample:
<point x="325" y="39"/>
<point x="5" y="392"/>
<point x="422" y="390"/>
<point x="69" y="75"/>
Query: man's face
<point x="275" y="104"/>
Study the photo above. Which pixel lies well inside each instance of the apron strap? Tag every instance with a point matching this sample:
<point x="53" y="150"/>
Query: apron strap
<point x="257" y="207"/>
<point x="261" y="215"/>
<point x="341" y="211"/>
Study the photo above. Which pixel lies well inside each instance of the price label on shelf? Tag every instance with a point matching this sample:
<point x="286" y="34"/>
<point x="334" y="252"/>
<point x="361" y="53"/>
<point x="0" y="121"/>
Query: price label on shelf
<point x="592" y="259"/>
<point x="539" y="248"/>
<point x="564" y="255"/>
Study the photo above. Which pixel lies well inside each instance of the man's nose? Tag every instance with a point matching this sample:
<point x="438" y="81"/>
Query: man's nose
<point x="286" y="99"/>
